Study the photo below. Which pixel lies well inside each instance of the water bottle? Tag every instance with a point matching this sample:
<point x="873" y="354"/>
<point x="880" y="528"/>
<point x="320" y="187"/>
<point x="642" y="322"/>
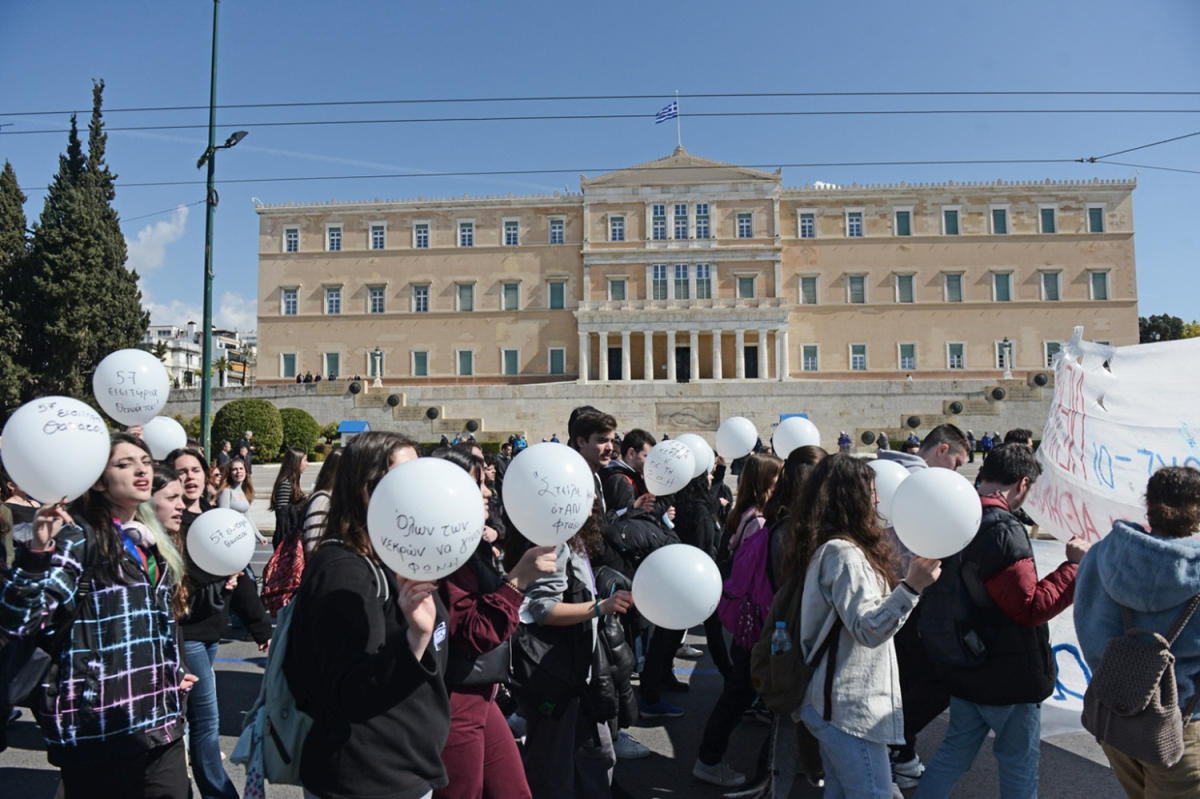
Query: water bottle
<point x="780" y="640"/>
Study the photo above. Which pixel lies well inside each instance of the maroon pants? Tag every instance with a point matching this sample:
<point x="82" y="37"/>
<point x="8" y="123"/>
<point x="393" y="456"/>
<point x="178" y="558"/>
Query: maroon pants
<point x="480" y="756"/>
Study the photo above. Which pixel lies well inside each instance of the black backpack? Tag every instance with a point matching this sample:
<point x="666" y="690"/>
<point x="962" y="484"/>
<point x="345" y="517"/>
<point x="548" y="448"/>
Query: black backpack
<point x="955" y="614"/>
<point x="634" y="535"/>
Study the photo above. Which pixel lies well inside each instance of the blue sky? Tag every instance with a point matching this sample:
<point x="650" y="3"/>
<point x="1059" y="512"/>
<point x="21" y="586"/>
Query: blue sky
<point x="156" y="53"/>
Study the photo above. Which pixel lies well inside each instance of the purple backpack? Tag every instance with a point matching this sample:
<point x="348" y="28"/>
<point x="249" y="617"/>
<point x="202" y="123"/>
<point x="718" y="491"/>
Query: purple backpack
<point x="747" y="594"/>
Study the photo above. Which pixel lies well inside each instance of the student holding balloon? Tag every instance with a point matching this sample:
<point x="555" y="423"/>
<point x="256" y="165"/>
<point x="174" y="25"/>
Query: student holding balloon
<point x="236" y="492"/>
<point x="192" y="468"/>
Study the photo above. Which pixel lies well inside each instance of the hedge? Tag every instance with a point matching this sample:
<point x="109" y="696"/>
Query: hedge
<point x="299" y="429"/>
<point x="257" y="415"/>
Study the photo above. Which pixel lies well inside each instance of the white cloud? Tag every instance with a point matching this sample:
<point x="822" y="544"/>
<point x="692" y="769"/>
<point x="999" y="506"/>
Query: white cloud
<point x="234" y="312"/>
<point x="149" y="250"/>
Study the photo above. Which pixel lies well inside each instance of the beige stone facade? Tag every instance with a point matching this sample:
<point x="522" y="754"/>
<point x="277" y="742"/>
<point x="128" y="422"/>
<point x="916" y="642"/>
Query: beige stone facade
<point x="685" y="268"/>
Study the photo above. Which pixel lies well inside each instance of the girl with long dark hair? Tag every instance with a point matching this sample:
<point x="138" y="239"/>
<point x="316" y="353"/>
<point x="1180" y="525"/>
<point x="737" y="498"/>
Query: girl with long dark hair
<point x="318" y="504"/>
<point x="192" y="468"/>
<point x="754" y="491"/>
<point x="287" y="489"/>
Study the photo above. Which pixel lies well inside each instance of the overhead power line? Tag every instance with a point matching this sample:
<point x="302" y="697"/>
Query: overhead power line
<point x="1144" y="146"/>
<point x="1149" y="166"/>
<point x="163" y="211"/>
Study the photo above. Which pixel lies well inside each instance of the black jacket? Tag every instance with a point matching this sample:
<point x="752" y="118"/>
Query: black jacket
<point x="208" y="610"/>
<point x="622" y="485"/>
<point x="380" y="716"/>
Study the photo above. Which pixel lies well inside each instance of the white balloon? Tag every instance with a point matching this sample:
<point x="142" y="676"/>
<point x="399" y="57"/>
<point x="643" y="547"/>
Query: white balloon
<point x="702" y="452"/>
<point x="793" y="432"/>
<point x="669" y="467"/>
<point x="936" y="512"/>
<point x="888" y="477"/>
<point x="131" y="386"/>
<point x="677" y="586"/>
<point x="163" y="435"/>
<point x="736" y="438"/>
<point x="221" y="541"/>
<point x="426" y="518"/>
<point x="55" y="447"/>
<point x="548" y="493"/>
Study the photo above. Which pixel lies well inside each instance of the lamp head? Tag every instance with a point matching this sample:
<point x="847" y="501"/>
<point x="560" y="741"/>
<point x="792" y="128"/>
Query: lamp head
<point x="237" y="136"/>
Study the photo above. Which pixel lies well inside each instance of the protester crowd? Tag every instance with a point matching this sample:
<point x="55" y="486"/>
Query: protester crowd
<point x="424" y="689"/>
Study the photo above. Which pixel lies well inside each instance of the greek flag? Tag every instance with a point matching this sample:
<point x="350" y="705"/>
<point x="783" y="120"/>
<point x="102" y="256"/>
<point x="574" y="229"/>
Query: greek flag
<point x="670" y="112"/>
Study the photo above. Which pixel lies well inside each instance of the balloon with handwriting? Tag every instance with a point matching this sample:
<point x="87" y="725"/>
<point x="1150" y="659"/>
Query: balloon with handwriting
<point x="794" y="432"/>
<point x="936" y="512"/>
<point x="669" y="467"/>
<point x="701" y="451"/>
<point x="163" y="435"/>
<point x="888" y="477"/>
<point x="426" y="518"/>
<point x="548" y="493"/>
<point x="55" y="447"/>
<point x="221" y="541"/>
<point x="677" y="586"/>
<point x="736" y="437"/>
<point x="131" y="386"/>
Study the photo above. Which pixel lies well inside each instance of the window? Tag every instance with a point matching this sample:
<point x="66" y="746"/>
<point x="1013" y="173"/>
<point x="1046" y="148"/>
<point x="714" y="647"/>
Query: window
<point x="291" y="302"/>
<point x="745" y="226"/>
<point x="949" y="221"/>
<point x="333" y="238"/>
<point x="332" y="365"/>
<point x="291" y="239"/>
<point x="854" y="224"/>
<point x="287" y="364"/>
<point x="955" y="356"/>
<point x="616" y="228"/>
<point x="466" y="363"/>
<point x="703" y="229"/>
<point x="745" y="288"/>
<point x="1095" y="218"/>
<point x="466" y="234"/>
<point x="908" y="357"/>
<point x="658" y="222"/>
<point x="1052" y="349"/>
<point x="558" y="228"/>
<point x="808" y="226"/>
<point x="378" y="237"/>
<point x="808" y="358"/>
<point x="333" y="301"/>
<point x="681" y="282"/>
<point x="421" y="236"/>
<point x="703" y="282"/>
<point x="375" y="301"/>
<point x="512" y="233"/>
<point x="808" y="290"/>
<point x="858" y="357"/>
<point x="1048" y="218"/>
<point x="1099" y="281"/>
<point x="420" y="299"/>
<point x="954" y="288"/>
<point x="1000" y="221"/>
<point x="904" y="223"/>
<point x="904" y="288"/>
<point x="558" y="295"/>
<point x="1002" y="286"/>
<point x="511" y="361"/>
<point x="857" y="286"/>
<point x="511" y="297"/>
<point x="420" y="364"/>
<point x="466" y="296"/>
<point x="658" y="282"/>
<point x="1051" y="284"/>
<point x="616" y="290"/>
<point x="558" y="361"/>
<point x="681" y="221"/>
<point x="1004" y="352"/>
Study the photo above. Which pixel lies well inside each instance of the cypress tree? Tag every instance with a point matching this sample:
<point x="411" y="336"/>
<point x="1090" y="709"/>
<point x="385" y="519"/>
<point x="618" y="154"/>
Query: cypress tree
<point x="14" y="255"/>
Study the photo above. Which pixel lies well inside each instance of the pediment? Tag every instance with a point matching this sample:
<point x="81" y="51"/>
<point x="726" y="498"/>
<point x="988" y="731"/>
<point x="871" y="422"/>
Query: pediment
<point x="680" y="169"/>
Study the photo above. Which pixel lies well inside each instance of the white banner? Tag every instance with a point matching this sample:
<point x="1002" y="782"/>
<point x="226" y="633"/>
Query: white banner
<point x="1118" y="414"/>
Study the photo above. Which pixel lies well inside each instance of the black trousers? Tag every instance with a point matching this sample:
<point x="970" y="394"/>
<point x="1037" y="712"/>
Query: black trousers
<point x="922" y="693"/>
<point x="714" y="633"/>
<point x="660" y="661"/>
<point x="160" y="773"/>
<point x="736" y="698"/>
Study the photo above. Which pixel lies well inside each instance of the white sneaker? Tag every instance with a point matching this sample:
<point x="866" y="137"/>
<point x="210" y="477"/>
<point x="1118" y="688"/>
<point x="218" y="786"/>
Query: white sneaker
<point x="688" y="651"/>
<point x="896" y="794"/>
<point x="907" y="774"/>
<point x="721" y="774"/>
<point x="629" y="749"/>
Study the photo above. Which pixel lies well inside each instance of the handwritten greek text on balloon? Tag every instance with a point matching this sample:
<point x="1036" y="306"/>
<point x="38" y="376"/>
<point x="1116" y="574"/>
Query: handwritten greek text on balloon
<point x="55" y="447"/>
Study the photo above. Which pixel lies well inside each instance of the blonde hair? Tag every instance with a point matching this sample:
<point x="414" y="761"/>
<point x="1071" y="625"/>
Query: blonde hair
<point x="176" y="566"/>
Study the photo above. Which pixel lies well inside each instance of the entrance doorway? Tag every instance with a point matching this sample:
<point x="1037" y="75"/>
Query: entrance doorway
<point x="750" y="354"/>
<point x="683" y="364"/>
<point x="614" y="364"/>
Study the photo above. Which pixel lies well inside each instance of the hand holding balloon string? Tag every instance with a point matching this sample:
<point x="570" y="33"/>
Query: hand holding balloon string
<point x="535" y="563"/>
<point x="923" y="572"/>
<point x="47" y="521"/>
<point x="416" y="603"/>
<point x="619" y="602"/>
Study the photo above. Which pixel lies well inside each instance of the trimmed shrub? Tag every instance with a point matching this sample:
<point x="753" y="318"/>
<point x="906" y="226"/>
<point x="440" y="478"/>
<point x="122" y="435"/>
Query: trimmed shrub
<point x="258" y="415"/>
<point x="330" y="433"/>
<point x="299" y="429"/>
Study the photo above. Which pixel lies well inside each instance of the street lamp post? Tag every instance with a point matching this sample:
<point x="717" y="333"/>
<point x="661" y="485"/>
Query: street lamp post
<point x="211" y="199"/>
<point x="377" y="359"/>
<point x="1006" y="346"/>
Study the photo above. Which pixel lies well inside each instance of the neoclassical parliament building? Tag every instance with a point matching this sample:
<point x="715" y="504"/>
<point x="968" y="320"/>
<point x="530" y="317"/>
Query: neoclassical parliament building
<point x="686" y="269"/>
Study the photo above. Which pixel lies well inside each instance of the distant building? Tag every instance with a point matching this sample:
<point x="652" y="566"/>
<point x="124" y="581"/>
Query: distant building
<point x="181" y="353"/>
<point x="685" y="269"/>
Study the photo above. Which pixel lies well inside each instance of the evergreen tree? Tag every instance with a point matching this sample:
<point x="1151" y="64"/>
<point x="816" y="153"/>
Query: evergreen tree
<point x="14" y="256"/>
<point x="80" y="302"/>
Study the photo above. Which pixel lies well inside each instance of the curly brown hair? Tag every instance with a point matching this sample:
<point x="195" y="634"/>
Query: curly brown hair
<point x="1173" y="501"/>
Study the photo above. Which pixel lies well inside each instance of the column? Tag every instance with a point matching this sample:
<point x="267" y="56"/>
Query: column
<point x="716" y="355"/>
<point x="671" y="355"/>
<point x="694" y="355"/>
<point x="739" y="357"/>
<point x="603" y="356"/>
<point x="648" y="357"/>
<point x="785" y="368"/>
<point x="764" y="361"/>
<point x="625" y="375"/>
<point x="583" y="357"/>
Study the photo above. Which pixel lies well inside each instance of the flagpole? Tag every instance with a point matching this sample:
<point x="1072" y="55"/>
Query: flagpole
<point x="678" y="127"/>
